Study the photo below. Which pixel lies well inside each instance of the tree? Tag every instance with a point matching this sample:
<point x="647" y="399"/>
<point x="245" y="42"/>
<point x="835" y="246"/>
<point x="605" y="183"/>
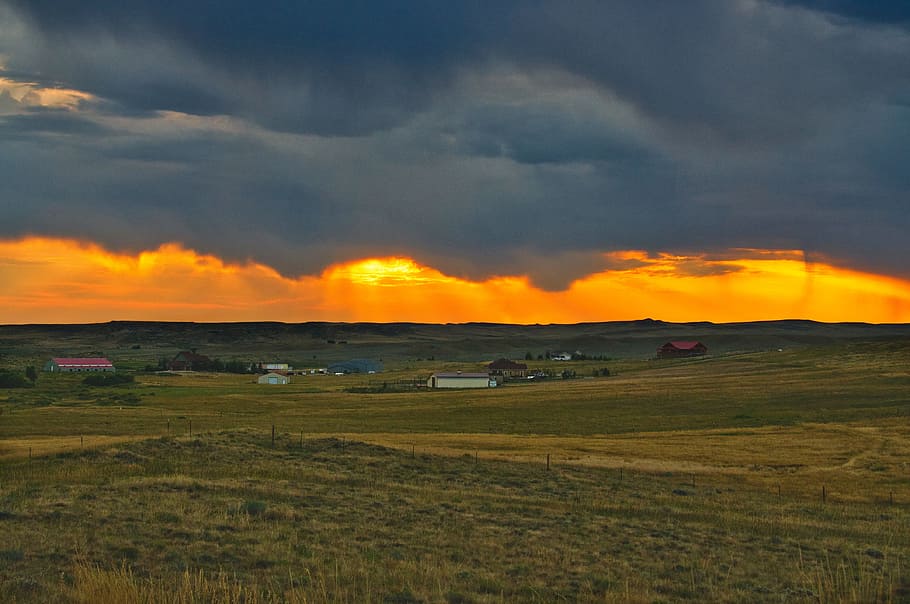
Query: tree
<point x="11" y="379"/>
<point x="529" y="356"/>
<point x="31" y="373"/>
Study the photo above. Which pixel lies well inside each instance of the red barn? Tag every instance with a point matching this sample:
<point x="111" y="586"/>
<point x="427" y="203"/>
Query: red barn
<point x="188" y="360"/>
<point x="69" y="364"/>
<point x="681" y="348"/>
<point x="508" y="368"/>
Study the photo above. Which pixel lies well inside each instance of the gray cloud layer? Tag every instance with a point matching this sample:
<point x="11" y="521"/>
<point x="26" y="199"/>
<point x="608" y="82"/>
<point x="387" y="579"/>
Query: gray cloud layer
<point x="485" y="138"/>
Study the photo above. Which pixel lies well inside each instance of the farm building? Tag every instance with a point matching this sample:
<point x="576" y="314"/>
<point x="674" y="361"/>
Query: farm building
<point x="681" y="349"/>
<point x="188" y="360"/>
<point x="355" y="366"/>
<point x="274" y="366"/>
<point x="460" y="380"/>
<point x="508" y="368"/>
<point x="273" y="378"/>
<point x="67" y="364"/>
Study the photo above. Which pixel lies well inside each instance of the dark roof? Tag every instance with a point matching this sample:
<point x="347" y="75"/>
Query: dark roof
<point x="506" y="364"/>
<point x="355" y="366"/>
<point x="461" y="375"/>
<point x="684" y="344"/>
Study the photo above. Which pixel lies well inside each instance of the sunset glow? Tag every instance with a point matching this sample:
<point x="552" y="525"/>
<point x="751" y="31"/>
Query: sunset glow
<point x="44" y="280"/>
<point x="30" y="94"/>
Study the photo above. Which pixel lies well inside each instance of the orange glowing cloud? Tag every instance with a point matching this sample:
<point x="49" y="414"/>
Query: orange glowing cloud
<point x="44" y="280"/>
<point x="31" y="94"/>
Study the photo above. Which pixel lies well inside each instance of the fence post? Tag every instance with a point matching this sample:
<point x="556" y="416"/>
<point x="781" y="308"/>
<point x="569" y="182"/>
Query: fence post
<point x="273" y="436"/>
<point x="548" y="461"/>
<point x="824" y="494"/>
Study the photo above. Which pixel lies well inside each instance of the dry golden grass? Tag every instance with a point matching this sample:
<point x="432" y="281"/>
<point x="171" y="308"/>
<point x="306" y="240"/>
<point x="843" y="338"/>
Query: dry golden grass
<point x="228" y="517"/>
<point x="663" y="486"/>
<point x="853" y="462"/>
<point x="35" y="446"/>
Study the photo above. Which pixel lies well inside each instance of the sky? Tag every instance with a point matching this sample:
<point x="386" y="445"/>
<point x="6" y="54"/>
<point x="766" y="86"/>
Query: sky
<point x="527" y="162"/>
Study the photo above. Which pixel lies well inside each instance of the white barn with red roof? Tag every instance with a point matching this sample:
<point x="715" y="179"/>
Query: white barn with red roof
<point x="78" y="364"/>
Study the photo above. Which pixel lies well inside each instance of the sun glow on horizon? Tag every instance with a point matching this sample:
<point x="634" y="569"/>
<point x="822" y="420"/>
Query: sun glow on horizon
<point x="48" y="280"/>
<point x="392" y="272"/>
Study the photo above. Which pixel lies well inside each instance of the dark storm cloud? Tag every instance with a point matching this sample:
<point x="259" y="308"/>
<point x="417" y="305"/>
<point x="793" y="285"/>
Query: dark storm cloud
<point x="888" y="12"/>
<point x="484" y="138"/>
<point x="329" y="68"/>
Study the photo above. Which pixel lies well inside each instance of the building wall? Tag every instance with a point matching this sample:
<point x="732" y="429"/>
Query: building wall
<point x="55" y="368"/>
<point x="273" y="378"/>
<point x="459" y="382"/>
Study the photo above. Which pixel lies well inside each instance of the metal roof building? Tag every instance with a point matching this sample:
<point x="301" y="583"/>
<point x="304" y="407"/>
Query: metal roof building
<point x="460" y="380"/>
<point x="78" y="364"/>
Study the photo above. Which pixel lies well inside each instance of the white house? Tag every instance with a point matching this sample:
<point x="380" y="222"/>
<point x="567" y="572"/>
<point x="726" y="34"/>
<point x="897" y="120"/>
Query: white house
<point x="274" y="378"/>
<point x="461" y="380"/>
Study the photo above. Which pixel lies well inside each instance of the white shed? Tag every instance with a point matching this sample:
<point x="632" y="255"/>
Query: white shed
<point x="274" y="378"/>
<point x="460" y="380"/>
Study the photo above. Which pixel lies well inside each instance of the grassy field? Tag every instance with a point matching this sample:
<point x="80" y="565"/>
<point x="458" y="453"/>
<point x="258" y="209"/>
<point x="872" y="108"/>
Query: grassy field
<point x="762" y="476"/>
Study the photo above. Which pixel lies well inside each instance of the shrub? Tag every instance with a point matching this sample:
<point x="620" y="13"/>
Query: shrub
<point x="253" y="507"/>
<point x="11" y="379"/>
<point x="11" y="555"/>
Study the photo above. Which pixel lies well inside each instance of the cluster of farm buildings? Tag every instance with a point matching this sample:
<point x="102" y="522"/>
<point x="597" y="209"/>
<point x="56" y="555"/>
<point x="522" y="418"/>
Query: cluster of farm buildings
<point x="498" y="371"/>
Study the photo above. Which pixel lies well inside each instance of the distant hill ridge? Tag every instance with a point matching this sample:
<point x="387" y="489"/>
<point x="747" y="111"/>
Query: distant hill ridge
<point x="145" y="342"/>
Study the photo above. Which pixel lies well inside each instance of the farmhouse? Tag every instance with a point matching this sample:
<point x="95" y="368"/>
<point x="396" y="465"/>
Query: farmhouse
<point x="274" y="366"/>
<point x="67" y="364"/>
<point x="681" y="348"/>
<point x="461" y="380"/>
<point x="188" y="360"/>
<point x="508" y="368"/>
<point x="274" y="378"/>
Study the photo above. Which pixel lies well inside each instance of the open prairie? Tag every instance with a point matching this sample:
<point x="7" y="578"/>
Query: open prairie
<point x="777" y="468"/>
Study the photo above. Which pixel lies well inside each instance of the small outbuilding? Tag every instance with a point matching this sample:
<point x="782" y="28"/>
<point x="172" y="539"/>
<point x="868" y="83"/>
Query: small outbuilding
<point x="461" y="380"/>
<point x="274" y="378"/>
<point x="71" y="365"/>
<point x="681" y="348"/>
